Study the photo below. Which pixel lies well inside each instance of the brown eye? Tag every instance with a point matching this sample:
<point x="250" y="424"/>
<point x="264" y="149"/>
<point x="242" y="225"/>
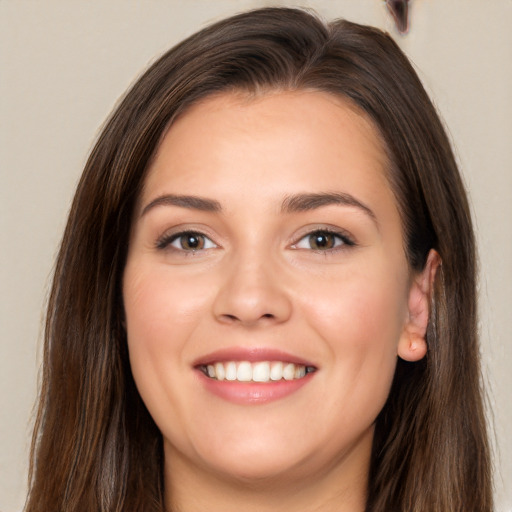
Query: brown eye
<point x="191" y="241"/>
<point x="322" y="240"/>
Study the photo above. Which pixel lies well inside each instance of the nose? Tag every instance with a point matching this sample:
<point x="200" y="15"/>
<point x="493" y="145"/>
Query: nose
<point x="252" y="293"/>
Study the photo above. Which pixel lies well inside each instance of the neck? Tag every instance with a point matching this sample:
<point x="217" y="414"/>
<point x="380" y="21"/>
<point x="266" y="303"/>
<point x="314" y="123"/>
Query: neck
<point x="340" y="488"/>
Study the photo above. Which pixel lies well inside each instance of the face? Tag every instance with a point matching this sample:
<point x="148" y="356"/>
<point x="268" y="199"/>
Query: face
<point x="266" y="289"/>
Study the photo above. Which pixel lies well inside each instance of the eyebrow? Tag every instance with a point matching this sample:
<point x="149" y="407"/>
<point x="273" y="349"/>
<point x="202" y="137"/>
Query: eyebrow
<point x="191" y="202"/>
<point x="306" y="202"/>
<point x="290" y="204"/>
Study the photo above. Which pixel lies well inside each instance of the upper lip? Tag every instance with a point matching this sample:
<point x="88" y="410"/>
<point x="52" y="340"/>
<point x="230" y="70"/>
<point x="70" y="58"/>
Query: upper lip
<point x="252" y="355"/>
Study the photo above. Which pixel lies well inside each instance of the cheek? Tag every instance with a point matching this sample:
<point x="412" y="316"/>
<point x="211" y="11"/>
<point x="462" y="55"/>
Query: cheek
<point x="360" y="315"/>
<point x="162" y="314"/>
<point x="159" y="307"/>
<point x="366" y="309"/>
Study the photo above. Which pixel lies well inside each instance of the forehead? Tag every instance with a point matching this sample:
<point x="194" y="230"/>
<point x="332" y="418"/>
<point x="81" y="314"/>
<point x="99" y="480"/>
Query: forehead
<point x="300" y="140"/>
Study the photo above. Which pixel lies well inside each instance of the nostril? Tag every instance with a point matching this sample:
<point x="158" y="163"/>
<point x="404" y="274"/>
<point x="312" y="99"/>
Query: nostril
<point x="234" y="318"/>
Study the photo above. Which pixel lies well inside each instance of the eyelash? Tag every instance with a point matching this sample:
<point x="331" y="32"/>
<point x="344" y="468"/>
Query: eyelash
<point x="346" y="241"/>
<point x="167" y="240"/>
<point x="343" y="241"/>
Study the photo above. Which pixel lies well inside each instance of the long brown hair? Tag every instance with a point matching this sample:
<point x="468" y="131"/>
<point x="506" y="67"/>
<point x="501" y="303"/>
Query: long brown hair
<point x="95" y="446"/>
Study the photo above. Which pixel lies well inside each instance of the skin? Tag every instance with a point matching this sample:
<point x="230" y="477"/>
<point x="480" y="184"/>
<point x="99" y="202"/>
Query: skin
<point x="258" y="283"/>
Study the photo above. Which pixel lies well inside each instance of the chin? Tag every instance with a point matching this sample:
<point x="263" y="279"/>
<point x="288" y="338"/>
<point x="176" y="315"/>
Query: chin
<point x="248" y="461"/>
<point x="261" y="469"/>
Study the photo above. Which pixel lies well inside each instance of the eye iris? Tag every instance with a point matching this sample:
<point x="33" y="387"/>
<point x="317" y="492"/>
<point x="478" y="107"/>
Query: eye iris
<point x="322" y="241"/>
<point x="192" y="242"/>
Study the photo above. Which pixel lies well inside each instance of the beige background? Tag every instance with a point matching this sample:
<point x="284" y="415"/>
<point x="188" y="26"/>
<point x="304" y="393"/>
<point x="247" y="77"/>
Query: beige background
<point x="63" y="64"/>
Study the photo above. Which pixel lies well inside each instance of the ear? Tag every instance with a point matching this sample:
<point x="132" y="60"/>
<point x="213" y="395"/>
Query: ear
<point x="412" y="345"/>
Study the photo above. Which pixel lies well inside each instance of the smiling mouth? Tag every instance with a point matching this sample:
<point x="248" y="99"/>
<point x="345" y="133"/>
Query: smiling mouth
<point x="261" y="371"/>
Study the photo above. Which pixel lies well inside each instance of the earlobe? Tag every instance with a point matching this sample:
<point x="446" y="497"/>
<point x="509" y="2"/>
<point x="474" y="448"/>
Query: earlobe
<point x="413" y="345"/>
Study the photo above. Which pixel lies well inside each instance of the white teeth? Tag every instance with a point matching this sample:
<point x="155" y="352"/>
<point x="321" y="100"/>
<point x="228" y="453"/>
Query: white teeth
<point x="220" y="372"/>
<point x="261" y="371"/>
<point x="289" y="372"/>
<point x="230" y="371"/>
<point x="276" y="371"/>
<point x="300" y="371"/>
<point x="244" y="372"/>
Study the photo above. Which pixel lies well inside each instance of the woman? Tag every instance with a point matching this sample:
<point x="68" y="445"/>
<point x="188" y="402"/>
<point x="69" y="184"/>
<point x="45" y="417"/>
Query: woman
<point x="265" y="294"/>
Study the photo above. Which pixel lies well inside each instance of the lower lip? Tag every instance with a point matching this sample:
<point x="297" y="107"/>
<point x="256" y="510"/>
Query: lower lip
<point x="247" y="393"/>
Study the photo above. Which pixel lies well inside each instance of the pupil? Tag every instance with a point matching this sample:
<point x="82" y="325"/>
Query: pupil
<point x="321" y="241"/>
<point x="192" y="242"/>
